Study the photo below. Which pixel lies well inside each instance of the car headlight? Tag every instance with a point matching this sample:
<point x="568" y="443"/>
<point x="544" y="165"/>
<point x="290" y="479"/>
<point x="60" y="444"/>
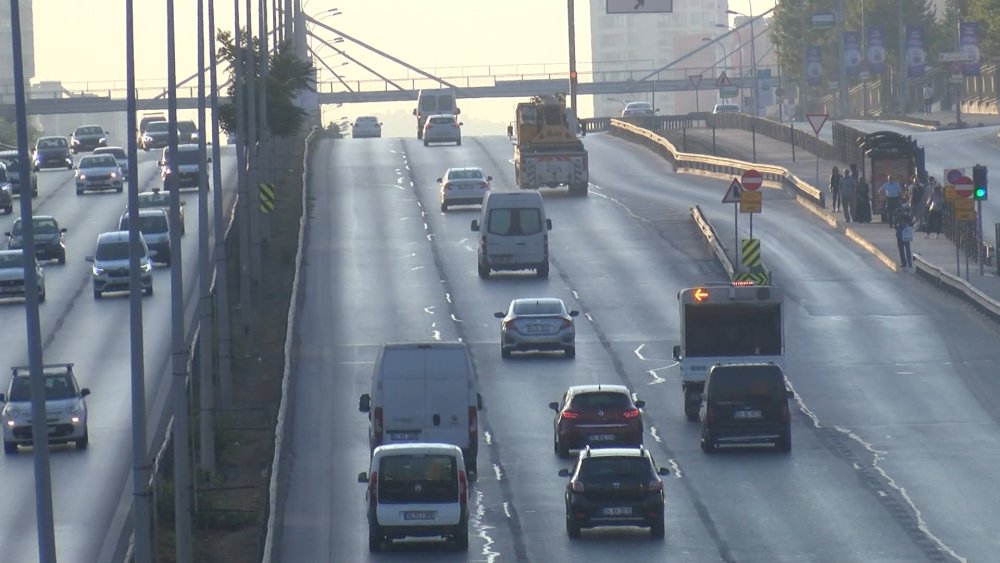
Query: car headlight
<point x="97" y="271"/>
<point x="102" y="140"/>
<point x="81" y="177"/>
<point x="146" y="267"/>
<point x="114" y="175"/>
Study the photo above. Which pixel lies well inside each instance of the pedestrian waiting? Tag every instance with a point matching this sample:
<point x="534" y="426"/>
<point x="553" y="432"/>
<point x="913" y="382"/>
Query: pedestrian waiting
<point x="835" y="179"/>
<point x="903" y="222"/>
<point x="891" y="192"/>
<point x="935" y="211"/>
<point x="862" y="212"/>
<point x="848" y="191"/>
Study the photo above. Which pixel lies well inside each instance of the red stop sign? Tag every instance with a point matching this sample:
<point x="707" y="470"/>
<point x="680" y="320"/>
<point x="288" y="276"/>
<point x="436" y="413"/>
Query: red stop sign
<point x="963" y="187"/>
<point x="751" y="180"/>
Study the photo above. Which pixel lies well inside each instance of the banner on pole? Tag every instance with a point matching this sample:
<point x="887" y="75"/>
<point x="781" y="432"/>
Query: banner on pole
<point x="876" y="49"/>
<point x="814" y="65"/>
<point x="852" y="53"/>
<point x="968" y="43"/>
<point x="916" y="57"/>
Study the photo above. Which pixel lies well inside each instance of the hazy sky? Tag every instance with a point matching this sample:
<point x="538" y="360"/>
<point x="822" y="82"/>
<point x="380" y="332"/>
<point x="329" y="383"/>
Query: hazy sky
<point x="424" y="33"/>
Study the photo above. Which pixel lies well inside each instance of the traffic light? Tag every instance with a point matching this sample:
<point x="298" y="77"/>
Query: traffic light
<point x="980" y="187"/>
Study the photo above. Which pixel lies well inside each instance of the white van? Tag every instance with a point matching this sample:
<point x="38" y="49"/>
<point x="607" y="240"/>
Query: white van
<point x="513" y="233"/>
<point x="434" y="102"/>
<point x="424" y="392"/>
<point x="417" y="490"/>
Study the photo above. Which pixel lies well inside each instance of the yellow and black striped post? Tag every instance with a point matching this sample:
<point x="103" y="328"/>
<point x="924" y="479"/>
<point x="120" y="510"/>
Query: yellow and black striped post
<point x="265" y="198"/>
<point x="750" y="253"/>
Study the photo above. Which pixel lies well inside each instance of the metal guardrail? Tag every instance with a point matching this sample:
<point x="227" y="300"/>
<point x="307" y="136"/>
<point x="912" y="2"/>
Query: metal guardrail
<point x="713" y="239"/>
<point x="718" y="166"/>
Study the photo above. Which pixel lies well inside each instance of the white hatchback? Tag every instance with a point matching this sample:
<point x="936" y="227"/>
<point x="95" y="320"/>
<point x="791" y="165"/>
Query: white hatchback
<point x="366" y="126"/>
<point x="442" y="129"/>
<point x="463" y="186"/>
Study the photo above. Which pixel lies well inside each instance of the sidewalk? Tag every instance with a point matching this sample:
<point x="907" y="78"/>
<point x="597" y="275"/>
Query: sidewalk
<point x="933" y="259"/>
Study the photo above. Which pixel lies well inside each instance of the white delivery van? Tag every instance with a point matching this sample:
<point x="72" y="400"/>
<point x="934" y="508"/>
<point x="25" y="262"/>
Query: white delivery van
<point x="417" y="490"/>
<point x="424" y="392"/>
<point x="434" y="101"/>
<point x="513" y="233"/>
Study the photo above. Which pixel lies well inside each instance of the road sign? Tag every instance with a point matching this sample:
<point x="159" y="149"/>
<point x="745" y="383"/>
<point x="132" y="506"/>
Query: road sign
<point x="700" y="294"/>
<point x="733" y="193"/>
<point x="723" y="80"/>
<point x="963" y="187"/>
<point x="265" y="198"/>
<point x="750" y="202"/>
<point x="949" y="193"/>
<point x="751" y="180"/>
<point x="823" y="20"/>
<point x="952" y="174"/>
<point x="964" y="209"/>
<point x="640" y="6"/>
<point x="727" y="92"/>
<point x="864" y="75"/>
<point x="695" y="80"/>
<point x="817" y="120"/>
<point x="954" y="57"/>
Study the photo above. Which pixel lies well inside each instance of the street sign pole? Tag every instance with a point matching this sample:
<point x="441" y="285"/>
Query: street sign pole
<point x="736" y="238"/>
<point x="979" y="237"/>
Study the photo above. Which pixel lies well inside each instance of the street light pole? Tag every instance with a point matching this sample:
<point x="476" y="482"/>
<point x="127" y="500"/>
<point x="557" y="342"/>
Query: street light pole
<point x="753" y="57"/>
<point x="740" y="47"/>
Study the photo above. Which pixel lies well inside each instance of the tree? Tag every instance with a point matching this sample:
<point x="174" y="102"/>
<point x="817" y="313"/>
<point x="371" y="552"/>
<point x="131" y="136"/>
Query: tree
<point x="287" y="77"/>
<point x="8" y="133"/>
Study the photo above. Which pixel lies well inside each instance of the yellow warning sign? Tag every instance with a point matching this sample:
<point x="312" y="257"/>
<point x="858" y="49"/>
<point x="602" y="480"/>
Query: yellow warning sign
<point x="265" y="198"/>
<point x="750" y="202"/>
<point x="750" y="252"/>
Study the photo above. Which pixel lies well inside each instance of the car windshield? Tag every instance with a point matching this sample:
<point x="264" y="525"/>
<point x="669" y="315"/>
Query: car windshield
<point x="366" y="121"/>
<point x="57" y="388"/>
<point x="518" y="221"/>
<point x="158" y="199"/>
<point x="465" y="174"/>
<point x="117" y="250"/>
<point x="158" y="127"/>
<point x="183" y="156"/>
<point x="538" y="307"/>
<point x="615" y="470"/>
<point x="43" y="226"/>
<point x="600" y="400"/>
<point x="11" y="260"/>
<point x="115" y="152"/>
<point x="89" y="130"/>
<point x="52" y="143"/>
<point x="148" y="224"/>
<point x="417" y="478"/>
<point x="105" y="161"/>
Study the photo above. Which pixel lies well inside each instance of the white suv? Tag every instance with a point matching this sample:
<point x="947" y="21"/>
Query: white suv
<point x="111" y="264"/>
<point x="417" y="490"/>
<point x="65" y="408"/>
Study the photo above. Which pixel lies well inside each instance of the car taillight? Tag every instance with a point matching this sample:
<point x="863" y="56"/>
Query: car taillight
<point x="371" y="489"/>
<point x="570" y="415"/>
<point x="447" y="187"/>
<point x="566" y="323"/>
<point x="631" y="413"/>
<point x="473" y="426"/>
<point x="654" y="486"/>
<point x="377" y="424"/>
<point x="463" y="486"/>
<point x="577" y="487"/>
<point x="510" y="325"/>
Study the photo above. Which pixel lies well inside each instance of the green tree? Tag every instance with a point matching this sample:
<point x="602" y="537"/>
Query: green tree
<point x="287" y="77"/>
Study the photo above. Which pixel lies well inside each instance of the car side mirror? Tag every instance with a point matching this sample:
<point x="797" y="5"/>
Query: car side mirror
<point x="554" y="406"/>
<point x="564" y="472"/>
<point x="460" y="124"/>
<point x="548" y="224"/>
<point x="84" y="392"/>
<point x="458" y="111"/>
<point x="663" y="471"/>
<point x="475" y="225"/>
<point x="439" y="180"/>
<point x="499" y="314"/>
<point x="63" y="230"/>
<point x="639" y="404"/>
<point x="677" y="353"/>
<point x="365" y="403"/>
<point x="574" y="313"/>
<point x="7" y="234"/>
<point x="363" y="477"/>
<point x="489" y="178"/>
<point x="479" y="402"/>
<point x="414" y="111"/>
<point x="88" y="258"/>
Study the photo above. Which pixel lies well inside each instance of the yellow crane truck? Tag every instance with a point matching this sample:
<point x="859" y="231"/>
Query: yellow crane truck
<point x="547" y="153"/>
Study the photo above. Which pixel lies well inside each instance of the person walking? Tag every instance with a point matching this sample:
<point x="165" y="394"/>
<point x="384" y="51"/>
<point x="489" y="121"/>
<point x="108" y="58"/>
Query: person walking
<point x="835" y="188"/>
<point x="862" y="202"/>
<point x="918" y="195"/>
<point x="928" y="97"/>
<point x="891" y="192"/>
<point x="935" y="211"/>
<point x="903" y="223"/>
<point x="848" y="191"/>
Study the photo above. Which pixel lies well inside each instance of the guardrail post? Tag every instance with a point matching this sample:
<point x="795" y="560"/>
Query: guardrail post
<point x="684" y="147"/>
<point x="714" y="152"/>
<point x="791" y="138"/>
<point x="753" y="140"/>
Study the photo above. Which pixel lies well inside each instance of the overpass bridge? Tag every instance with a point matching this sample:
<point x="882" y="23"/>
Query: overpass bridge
<point x="100" y="97"/>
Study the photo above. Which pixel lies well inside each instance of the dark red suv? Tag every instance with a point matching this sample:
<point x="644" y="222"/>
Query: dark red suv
<point x="598" y="416"/>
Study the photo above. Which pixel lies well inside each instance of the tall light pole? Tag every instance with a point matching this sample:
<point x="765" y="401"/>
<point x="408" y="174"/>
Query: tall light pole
<point x="39" y="442"/>
<point x="753" y="57"/>
<point x="740" y="47"/>
<point x="725" y="54"/>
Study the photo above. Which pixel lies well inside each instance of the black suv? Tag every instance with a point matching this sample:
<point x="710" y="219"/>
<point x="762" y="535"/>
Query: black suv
<point x="614" y="487"/>
<point x="745" y="404"/>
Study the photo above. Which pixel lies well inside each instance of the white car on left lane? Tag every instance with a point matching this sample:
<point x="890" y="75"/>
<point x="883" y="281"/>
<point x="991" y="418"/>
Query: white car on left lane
<point x="12" y="275"/>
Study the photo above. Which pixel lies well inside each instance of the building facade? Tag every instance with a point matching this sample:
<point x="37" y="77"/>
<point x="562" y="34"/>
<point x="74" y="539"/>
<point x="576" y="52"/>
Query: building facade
<point x="7" y="50"/>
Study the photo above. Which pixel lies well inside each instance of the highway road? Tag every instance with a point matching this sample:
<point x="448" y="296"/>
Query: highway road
<point x="895" y="427"/>
<point x="91" y="488"/>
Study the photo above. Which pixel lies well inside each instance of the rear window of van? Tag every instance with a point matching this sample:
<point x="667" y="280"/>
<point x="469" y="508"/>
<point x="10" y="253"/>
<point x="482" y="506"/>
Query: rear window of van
<point x="417" y="478"/>
<point x="517" y="221"/>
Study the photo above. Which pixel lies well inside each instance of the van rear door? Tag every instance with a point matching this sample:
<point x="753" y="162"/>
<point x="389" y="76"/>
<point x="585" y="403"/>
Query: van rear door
<point x="515" y="235"/>
<point x="402" y="393"/>
<point x="447" y="396"/>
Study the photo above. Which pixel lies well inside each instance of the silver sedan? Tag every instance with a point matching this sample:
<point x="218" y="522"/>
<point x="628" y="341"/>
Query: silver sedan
<point x="463" y="186"/>
<point x="541" y="323"/>
<point x="98" y="172"/>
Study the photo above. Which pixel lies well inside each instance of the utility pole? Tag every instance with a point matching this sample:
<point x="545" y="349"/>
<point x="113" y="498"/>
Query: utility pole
<point x="842" y="105"/>
<point x="242" y="41"/>
<point x="901" y="94"/>
<point x="181" y="436"/>
<point x="266" y="146"/>
<point x="572" y="54"/>
<point x="39" y="432"/>
<point x="221" y="271"/>
<point x="206" y="391"/>
<point x="141" y="514"/>
<point x="253" y="154"/>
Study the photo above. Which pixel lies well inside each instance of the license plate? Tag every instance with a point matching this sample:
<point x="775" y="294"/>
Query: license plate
<point x="746" y="414"/>
<point x="617" y="511"/>
<point x="400" y="436"/>
<point x="538" y="328"/>
<point x="52" y="430"/>
<point x="602" y="437"/>
<point x="419" y="515"/>
<point x="502" y="258"/>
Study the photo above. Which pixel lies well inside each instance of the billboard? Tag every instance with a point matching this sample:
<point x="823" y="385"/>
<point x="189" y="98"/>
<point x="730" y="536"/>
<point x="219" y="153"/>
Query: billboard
<point x="852" y="53"/>
<point x="640" y="6"/>
<point x="968" y="44"/>
<point x="915" y="57"/>
<point x="876" y="49"/>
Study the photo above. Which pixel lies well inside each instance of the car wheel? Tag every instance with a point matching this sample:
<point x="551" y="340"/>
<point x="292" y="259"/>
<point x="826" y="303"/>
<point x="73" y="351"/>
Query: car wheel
<point x="82" y="443"/>
<point x="784" y="444"/>
<point x="458" y="142"/>
<point x="69" y="167"/>
<point x="9" y="447"/>
<point x="36" y="169"/>
<point x="375" y="538"/>
<point x="62" y="257"/>
<point x="119" y="189"/>
<point x="561" y="450"/>
<point x="97" y="294"/>
<point x="484" y="270"/>
<point x="570" y="352"/>
<point x="543" y="270"/>
<point x="426" y="143"/>
<point x="444" y="207"/>
<point x="708" y="444"/>
<point x="462" y="536"/>
<point x="148" y="290"/>
<point x="572" y="528"/>
<point x="504" y="352"/>
<point x="658" y="529"/>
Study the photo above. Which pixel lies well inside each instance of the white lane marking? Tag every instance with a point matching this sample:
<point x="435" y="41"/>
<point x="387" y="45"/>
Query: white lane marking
<point x="430" y="236"/>
<point x="436" y="334"/>
<point x="430" y="310"/>
<point x="497" y="472"/>
<point x="575" y="294"/>
<point x="878" y="456"/>
<point x="470" y="248"/>
<point x="675" y="470"/>
<point x="655" y="434"/>
<point x="447" y="297"/>
<point x="506" y="509"/>
<point x="415" y="268"/>
<point x="656" y="378"/>
<point x="652" y="372"/>
<point x="589" y="317"/>
<point x="482" y="530"/>
<point x="488" y="438"/>
<point x="456" y="319"/>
